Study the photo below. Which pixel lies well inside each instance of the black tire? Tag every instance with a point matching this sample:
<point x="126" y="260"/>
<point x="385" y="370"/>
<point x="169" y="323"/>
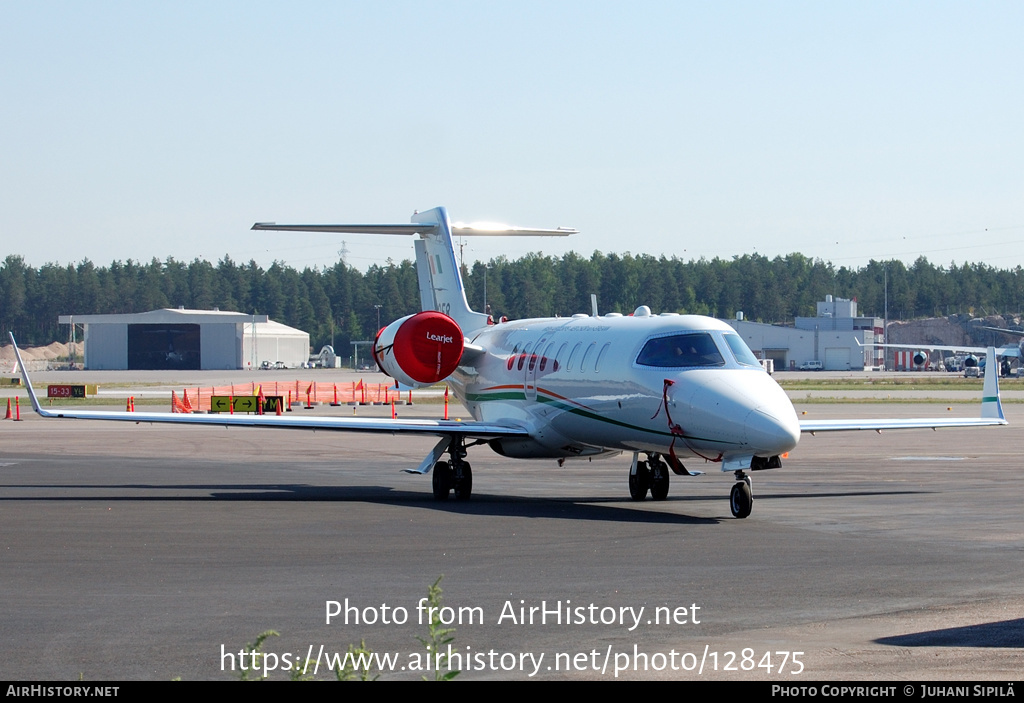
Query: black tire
<point x="442" y="480"/>
<point x="640" y="481"/>
<point x="462" y="482"/>
<point x="741" y="500"/>
<point x="659" y="481"/>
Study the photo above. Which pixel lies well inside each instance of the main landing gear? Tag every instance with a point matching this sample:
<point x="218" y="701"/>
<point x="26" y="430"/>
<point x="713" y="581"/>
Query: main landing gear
<point x="455" y="475"/>
<point x="650" y="476"/>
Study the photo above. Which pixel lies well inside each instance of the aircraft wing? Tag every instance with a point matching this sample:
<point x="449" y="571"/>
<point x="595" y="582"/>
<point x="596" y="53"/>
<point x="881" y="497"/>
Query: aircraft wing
<point x="443" y="428"/>
<point x="1000" y="351"/>
<point x="815" y="426"/>
<point x="991" y="412"/>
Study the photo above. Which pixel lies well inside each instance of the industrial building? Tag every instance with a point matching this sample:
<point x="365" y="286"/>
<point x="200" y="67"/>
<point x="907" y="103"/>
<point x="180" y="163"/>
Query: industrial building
<point x="830" y="338"/>
<point x="188" y="340"/>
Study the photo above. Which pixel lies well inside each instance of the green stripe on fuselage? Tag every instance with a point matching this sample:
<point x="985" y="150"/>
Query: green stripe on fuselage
<point x="566" y="407"/>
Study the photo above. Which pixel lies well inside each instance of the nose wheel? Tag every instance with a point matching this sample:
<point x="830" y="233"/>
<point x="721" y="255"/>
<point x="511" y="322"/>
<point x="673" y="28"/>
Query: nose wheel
<point x="741" y="499"/>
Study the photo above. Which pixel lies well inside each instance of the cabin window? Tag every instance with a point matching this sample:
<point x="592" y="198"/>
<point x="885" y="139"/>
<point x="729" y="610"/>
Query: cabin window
<point x="544" y="359"/>
<point x="597" y="364"/>
<point x="681" y="351"/>
<point x="586" y="355"/>
<point x="560" y="354"/>
<point x="572" y="355"/>
<point x="512" y="357"/>
<point x="522" y="357"/>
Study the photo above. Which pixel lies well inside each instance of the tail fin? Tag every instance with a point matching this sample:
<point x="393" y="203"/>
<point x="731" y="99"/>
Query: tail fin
<point x="991" y="405"/>
<point x="438" y="271"/>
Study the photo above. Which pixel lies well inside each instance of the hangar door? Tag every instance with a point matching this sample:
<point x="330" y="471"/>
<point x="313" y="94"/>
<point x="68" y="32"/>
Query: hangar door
<point x="163" y="347"/>
<point x="837" y="359"/>
<point x="778" y="356"/>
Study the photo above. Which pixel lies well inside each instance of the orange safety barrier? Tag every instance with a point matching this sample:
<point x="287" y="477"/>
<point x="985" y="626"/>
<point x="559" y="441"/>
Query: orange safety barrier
<point x="355" y="392"/>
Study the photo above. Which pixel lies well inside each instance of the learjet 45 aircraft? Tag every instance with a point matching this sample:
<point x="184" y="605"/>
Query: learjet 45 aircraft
<point x="668" y="389"/>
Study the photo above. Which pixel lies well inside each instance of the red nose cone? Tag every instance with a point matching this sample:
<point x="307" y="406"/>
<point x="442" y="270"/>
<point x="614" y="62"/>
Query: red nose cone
<point x="428" y="346"/>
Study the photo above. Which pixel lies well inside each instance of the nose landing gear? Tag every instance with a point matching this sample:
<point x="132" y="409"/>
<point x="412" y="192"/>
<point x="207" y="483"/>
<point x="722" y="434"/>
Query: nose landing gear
<point x="741" y="499"/>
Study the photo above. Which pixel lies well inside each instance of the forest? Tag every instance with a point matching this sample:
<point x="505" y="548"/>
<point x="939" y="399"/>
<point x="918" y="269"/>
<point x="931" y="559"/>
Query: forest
<point x="340" y="303"/>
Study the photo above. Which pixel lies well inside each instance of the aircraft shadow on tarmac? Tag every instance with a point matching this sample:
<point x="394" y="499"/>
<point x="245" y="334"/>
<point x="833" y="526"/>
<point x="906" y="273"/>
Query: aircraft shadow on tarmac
<point x="580" y="507"/>
<point x="599" y="508"/>
<point x="1006" y="633"/>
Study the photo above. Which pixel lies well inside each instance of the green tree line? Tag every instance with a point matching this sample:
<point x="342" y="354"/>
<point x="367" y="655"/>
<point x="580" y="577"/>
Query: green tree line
<point x="340" y="303"/>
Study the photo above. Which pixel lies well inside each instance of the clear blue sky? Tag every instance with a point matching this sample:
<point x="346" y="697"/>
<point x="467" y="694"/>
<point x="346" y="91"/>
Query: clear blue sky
<point x="842" y="130"/>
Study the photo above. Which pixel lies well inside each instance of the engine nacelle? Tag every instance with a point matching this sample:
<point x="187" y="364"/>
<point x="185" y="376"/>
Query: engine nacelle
<point x="920" y="358"/>
<point x="419" y="350"/>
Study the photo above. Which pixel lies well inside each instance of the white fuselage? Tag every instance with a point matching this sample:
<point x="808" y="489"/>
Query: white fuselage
<point x="589" y="385"/>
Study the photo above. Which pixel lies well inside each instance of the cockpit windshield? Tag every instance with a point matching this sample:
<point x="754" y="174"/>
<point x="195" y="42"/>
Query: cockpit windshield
<point x="681" y="351"/>
<point x="741" y="351"/>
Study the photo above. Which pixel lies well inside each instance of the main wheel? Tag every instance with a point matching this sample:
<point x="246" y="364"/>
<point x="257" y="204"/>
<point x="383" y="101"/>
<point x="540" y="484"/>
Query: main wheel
<point x="659" y="481"/>
<point x="463" y="481"/>
<point x="639" y="482"/>
<point x="741" y="500"/>
<point x="442" y="480"/>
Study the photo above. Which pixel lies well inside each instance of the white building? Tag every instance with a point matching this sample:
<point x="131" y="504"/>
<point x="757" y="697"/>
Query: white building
<point x="188" y="340"/>
<point x="831" y="338"/>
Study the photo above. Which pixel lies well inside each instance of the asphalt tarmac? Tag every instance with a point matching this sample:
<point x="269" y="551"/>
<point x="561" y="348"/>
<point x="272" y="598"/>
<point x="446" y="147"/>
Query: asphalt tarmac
<point x="153" y="552"/>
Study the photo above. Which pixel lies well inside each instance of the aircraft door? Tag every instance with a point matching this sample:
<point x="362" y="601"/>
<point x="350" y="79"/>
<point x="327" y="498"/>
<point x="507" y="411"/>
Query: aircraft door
<point x="532" y="366"/>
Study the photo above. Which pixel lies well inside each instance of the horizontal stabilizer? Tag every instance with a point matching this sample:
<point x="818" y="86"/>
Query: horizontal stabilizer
<point x="458" y="229"/>
<point x="348" y="229"/>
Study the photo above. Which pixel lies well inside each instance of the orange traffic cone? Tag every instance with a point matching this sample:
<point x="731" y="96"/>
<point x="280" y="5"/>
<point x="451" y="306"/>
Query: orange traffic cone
<point x="8" y="415"/>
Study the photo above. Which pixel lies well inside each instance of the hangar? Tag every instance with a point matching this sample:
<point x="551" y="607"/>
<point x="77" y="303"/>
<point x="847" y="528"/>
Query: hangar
<point x="183" y="339"/>
<point x="836" y="338"/>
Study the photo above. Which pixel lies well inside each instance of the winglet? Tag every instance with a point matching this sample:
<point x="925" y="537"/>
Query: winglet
<point x="991" y="405"/>
<point x="24" y="376"/>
